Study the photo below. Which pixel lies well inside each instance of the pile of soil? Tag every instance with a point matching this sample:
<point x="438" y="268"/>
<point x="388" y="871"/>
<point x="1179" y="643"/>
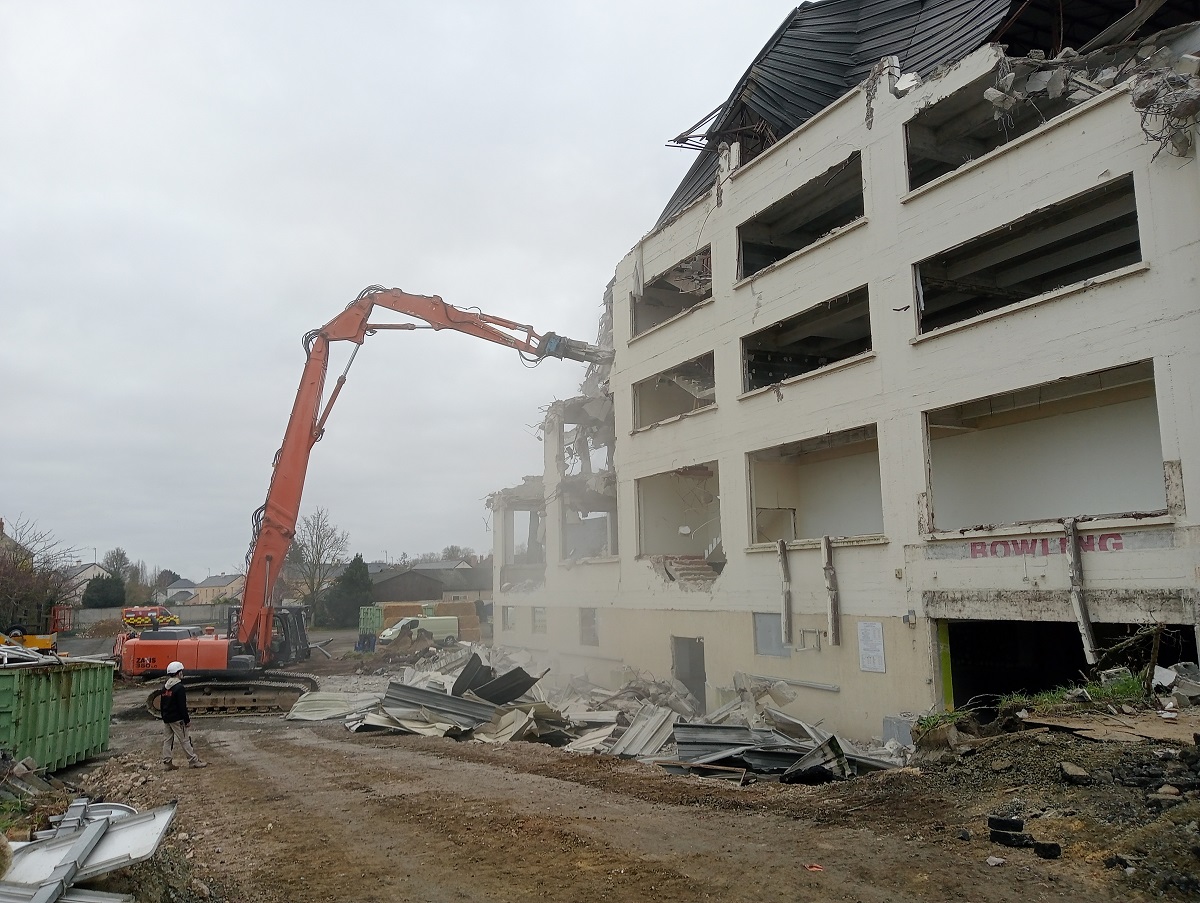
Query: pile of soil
<point x="102" y="629"/>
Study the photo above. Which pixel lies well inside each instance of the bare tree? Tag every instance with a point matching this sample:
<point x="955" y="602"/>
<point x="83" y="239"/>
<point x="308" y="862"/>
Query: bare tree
<point x="35" y="574"/>
<point x="138" y="589"/>
<point x="116" y="562"/>
<point x="317" y="549"/>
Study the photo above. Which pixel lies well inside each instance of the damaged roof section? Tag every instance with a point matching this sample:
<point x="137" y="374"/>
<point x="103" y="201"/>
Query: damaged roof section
<point x="822" y="50"/>
<point x="1022" y="93"/>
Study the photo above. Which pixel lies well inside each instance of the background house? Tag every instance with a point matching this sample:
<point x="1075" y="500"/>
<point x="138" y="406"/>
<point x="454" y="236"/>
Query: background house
<point x="80" y="576"/>
<point x="218" y="586"/>
<point x="417" y="584"/>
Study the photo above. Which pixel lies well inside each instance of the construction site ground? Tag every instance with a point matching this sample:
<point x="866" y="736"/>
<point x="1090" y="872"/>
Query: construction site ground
<point x="302" y="811"/>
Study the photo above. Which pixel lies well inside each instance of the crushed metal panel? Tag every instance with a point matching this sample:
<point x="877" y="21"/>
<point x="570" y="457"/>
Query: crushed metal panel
<point x="126" y="841"/>
<point x="594" y="740"/>
<point x="648" y="733"/>
<point x="473" y="675"/>
<point x="11" y="893"/>
<point x="699" y="770"/>
<point x="508" y="687"/>
<point x="828" y="758"/>
<point x="700" y="741"/>
<point x="321" y="705"/>
<point x="400" y="696"/>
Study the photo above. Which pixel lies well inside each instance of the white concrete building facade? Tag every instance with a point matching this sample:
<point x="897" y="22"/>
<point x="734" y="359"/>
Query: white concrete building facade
<point x="902" y="415"/>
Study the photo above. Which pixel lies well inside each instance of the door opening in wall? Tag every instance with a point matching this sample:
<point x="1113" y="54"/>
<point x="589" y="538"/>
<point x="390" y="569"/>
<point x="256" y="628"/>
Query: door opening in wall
<point x="988" y="659"/>
<point x="687" y="665"/>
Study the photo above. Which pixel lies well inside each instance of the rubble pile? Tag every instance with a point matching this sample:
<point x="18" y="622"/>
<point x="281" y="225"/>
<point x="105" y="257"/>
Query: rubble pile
<point x="486" y="695"/>
<point x="1162" y="71"/>
<point x="1178" y="686"/>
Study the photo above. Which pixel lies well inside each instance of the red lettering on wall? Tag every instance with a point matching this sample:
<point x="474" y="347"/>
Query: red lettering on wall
<point x="1010" y="548"/>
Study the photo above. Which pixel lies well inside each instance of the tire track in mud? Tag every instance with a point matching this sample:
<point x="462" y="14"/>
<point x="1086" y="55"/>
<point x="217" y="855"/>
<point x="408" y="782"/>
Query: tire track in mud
<point x="417" y="821"/>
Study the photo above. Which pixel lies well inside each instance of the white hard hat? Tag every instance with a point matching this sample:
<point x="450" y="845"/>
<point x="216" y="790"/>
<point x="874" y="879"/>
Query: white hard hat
<point x="174" y="667"/>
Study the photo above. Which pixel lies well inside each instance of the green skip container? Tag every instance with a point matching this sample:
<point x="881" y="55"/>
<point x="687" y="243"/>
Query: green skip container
<point x="370" y="620"/>
<point x="58" y="714"/>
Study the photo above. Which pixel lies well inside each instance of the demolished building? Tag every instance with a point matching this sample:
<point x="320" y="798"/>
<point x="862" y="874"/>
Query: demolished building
<point x="903" y="396"/>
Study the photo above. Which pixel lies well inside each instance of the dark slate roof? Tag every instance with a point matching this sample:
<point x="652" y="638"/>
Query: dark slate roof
<point x="824" y="49"/>
<point x="181" y="584"/>
<point x="448" y="579"/>
<point x="442" y="564"/>
<point x="216" y="580"/>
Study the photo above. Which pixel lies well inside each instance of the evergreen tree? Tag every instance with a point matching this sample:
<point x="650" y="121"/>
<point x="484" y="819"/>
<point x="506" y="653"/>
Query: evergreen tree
<point x="350" y="592"/>
<point x="104" y="592"/>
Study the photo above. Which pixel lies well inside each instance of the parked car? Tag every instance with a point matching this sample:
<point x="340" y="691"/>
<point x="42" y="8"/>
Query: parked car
<point x="444" y="630"/>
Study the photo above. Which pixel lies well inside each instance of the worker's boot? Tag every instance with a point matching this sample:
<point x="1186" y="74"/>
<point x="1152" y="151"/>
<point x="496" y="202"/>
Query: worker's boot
<point x="198" y="764"/>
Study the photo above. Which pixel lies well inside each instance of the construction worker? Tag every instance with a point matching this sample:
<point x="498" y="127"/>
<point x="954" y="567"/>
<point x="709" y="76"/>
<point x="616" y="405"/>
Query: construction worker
<point x="176" y="719"/>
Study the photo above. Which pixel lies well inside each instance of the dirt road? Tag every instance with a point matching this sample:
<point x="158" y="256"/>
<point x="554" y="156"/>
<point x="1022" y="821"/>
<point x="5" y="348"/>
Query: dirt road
<point x="296" y="812"/>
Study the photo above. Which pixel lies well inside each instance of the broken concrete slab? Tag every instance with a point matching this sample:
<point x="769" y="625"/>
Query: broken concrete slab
<point x="1073" y="774"/>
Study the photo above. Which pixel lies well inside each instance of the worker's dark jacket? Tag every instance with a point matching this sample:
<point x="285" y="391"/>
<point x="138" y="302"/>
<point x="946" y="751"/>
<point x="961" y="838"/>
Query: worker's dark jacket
<point x="173" y="702"/>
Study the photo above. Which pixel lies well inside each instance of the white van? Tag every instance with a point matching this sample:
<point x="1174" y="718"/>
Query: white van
<point x="444" y="630"/>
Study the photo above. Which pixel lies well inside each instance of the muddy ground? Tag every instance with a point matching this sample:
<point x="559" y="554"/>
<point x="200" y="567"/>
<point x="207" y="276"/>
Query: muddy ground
<point x="293" y="811"/>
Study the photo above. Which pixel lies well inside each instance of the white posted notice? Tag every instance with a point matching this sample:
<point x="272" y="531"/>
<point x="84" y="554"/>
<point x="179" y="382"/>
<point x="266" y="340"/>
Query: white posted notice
<point x="870" y="646"/>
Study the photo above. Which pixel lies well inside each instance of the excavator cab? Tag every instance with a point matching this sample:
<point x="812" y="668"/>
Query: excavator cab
<point x="289" y="641"/>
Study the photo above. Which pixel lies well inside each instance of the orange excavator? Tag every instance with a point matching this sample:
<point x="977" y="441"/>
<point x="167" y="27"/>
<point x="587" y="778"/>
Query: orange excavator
<point x="237" y="672"/>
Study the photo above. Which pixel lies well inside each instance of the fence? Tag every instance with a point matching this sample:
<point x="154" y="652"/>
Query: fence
<point x="82" y="618"/>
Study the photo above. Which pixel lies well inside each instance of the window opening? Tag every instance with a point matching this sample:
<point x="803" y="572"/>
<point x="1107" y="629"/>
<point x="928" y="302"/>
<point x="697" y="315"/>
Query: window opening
<point x="830" y="201"/>
<point x="1092" y="233"/>
<point x="768" y="634"/>
<point x="680" y="288"/>
<point x="822" y="335"/>
<point x="589" y="634"/>
<point x="679" y="390"/>
<point x="1087" y="445"/>
<point x="824" y="486"/>
<point x="680" y="513"/>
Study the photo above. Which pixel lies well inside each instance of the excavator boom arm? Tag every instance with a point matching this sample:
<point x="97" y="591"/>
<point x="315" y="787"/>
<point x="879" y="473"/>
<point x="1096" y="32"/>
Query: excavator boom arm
<point x="275" y="523"/>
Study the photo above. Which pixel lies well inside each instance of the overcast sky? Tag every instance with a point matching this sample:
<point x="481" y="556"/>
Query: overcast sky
<point x="187" y="188"/>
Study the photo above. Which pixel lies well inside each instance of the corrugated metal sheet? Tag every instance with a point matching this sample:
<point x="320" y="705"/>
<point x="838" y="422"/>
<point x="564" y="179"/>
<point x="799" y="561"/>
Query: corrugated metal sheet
<point x="700" y="741"/>
<point x="648" y="733"/>
<point x="461" y="711"/>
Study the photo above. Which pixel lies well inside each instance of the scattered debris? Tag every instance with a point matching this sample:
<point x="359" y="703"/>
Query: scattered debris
<point x="88" y="840"/>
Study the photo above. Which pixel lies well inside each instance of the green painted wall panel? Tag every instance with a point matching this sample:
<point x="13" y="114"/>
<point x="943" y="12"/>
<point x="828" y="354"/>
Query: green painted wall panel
<point x="58" y="714"/>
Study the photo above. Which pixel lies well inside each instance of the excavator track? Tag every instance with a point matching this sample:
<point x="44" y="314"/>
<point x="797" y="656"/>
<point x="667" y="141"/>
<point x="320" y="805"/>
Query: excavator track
<point x="267" y="693"/>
